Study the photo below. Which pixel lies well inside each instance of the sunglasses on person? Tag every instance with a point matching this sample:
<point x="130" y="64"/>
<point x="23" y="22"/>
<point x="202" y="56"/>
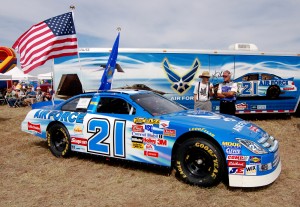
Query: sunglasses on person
<point x="225" y="76"/>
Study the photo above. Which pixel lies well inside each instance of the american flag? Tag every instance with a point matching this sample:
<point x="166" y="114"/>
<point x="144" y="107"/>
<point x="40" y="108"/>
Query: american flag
<point x="52" y="38"/>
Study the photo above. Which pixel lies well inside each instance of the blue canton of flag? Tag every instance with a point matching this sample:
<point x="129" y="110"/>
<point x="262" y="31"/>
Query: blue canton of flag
<point x="62" y="24"/>
<point x="107" y="76"/>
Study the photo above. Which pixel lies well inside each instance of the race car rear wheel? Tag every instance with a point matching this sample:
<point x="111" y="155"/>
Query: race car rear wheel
<point x="199" y="162"/>
<point x="273" y="92"/>
<point x="59" y="140"/>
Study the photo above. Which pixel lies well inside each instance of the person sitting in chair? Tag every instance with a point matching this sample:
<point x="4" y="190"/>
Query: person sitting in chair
<point x="11" y="97"/>
<point x="30" y="97"/>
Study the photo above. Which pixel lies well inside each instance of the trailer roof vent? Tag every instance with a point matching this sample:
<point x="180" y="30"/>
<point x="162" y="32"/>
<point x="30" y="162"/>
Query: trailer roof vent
<point x="243" y="46"/>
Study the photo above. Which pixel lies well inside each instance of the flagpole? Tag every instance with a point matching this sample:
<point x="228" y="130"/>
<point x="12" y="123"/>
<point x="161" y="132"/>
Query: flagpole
<point x="72" y="7"/>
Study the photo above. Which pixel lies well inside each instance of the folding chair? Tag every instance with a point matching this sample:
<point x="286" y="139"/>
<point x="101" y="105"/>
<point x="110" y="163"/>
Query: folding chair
<point x="2" y="100"/>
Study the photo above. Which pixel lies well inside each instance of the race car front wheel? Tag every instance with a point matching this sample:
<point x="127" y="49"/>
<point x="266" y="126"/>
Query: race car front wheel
<point x="58" y="140"/>
<point x="199" y="162"/>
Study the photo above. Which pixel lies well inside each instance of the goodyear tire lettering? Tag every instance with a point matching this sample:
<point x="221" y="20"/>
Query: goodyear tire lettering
<point x="199" y="162"/>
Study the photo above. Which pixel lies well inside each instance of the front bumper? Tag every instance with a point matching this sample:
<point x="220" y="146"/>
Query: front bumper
<point x="254" y="181"/>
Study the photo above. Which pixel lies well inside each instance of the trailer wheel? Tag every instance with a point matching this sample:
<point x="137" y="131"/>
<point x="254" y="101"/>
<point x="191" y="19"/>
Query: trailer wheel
<point x="199" y="162"/>
<point x="273" y="92"/>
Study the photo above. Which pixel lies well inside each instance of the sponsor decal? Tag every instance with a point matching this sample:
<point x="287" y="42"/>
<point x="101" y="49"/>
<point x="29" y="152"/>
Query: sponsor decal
<point x="162" y="142"/>
<point x="254" y="128"/>
<point x="78" y="148"/>
<point x="34" y="127"/>
<point x="137" y="128"/>
<point x="151" y="153"/>
<point x="233" y="150"/>
<point x="149" y="140"/>
<point x="251" y="169"/>
<point x="261" y="107"/>
<point x="237" y="157"/>
<point x="170" y="132"/>
<point x="78" y="141"/>
<point x="93" y="103"/>
<point x="236" y="170"/>
<point x="164" y="124"/>
<point x="140" y="120"/>
<point x="78" y="129"/>
<point x="239" y="164"/>
<point x="231" y="144"/>
<point x="255" y="159"/>
<point x="240" y="125"/>
<point x="241" y="106"/>
<point x="149" y="147"/>
<point x="148" y="128"/>
<point x="137" y="145"/>
<point x="152" y="121"/>
<point x="62" y="116"/>
<point x="265" y="167"/>
<point x="137" y="139"/>
<point x="202" y="130"/>
<point x="253" y="107"/>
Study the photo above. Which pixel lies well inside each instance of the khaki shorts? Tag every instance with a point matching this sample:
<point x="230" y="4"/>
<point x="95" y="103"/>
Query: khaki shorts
<point x="203" y="105"/>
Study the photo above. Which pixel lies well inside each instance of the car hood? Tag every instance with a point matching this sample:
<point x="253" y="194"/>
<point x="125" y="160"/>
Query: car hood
<point x="219" y="124"/>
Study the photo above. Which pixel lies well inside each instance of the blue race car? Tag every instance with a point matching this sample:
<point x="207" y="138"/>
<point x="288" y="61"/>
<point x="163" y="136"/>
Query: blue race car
<point x="142" y="126"/>
<point x="264" y="84"/>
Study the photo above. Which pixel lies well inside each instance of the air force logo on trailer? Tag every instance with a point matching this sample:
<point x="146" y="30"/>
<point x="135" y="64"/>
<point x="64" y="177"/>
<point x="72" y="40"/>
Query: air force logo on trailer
<point x="180" y="84"/>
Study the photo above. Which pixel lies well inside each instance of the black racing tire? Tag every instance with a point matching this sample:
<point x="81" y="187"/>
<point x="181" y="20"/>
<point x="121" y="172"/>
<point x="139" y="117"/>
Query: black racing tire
<point x="273" y="92"/>
<point x="58" y="139"/>
<point x="199" y="162"/>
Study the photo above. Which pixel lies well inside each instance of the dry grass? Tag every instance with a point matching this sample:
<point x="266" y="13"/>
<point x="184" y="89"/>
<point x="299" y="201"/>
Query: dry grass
<point x="31" y="176"/>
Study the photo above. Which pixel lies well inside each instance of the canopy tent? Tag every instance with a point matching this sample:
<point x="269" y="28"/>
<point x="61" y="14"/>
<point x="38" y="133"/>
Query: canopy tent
<point x="4" y="77"/>
<point x="45" y="76"/>
<point x="18" y="74"/>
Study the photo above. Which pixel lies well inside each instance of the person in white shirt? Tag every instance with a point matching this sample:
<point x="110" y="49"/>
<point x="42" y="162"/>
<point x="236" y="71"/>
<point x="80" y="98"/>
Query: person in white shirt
<point x="227" y="94"/>
<point x="203" y="92"/>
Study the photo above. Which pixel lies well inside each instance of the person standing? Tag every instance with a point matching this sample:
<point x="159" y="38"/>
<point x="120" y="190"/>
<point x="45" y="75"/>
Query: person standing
<point x="203" y="92"/>
<point x="227" y="94"/>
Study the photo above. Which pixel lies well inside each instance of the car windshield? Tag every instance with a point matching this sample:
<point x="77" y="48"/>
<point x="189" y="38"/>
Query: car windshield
<point x="156" y="104"/>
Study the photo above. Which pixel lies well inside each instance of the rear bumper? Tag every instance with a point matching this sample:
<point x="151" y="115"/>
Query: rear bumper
<point x="254" y="181"/>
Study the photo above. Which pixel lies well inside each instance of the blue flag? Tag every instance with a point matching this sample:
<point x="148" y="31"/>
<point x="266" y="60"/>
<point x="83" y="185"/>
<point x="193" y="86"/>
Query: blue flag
<point x="107" y="76"/>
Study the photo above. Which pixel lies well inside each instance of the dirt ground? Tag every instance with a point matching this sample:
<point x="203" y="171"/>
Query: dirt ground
<point x="31" y="176"/>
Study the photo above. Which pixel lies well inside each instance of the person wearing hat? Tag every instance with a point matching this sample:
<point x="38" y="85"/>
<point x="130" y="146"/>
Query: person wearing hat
<point x="227" y="94"/>
<point x="203" y="92"/>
